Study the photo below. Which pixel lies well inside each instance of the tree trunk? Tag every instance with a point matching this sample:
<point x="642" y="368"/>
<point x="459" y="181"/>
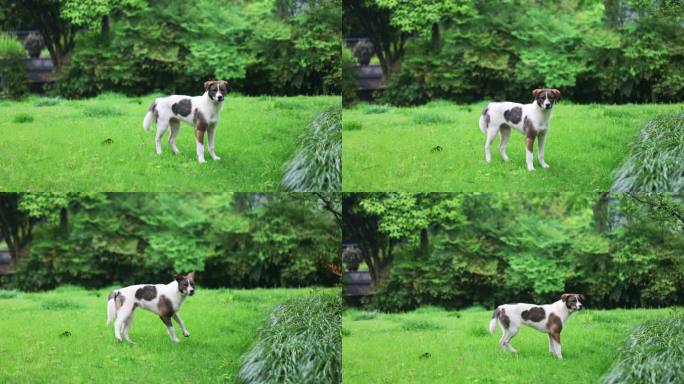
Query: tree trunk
<point x="424" y="242"/>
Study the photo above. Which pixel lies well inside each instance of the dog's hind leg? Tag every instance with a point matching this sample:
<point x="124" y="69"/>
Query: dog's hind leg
<point x="505" y="135"/>
<point x="127" y="327"/>
<point x="511" y="334"/>
<point x="491" y="135"/>
<point x="550" y="344"/>
<point x="162" y="125"/>
<point x="182" y="325"/>
<point x="175" y="127"/>
<point x="211" y="131"/>
<point x="169" y="327"/>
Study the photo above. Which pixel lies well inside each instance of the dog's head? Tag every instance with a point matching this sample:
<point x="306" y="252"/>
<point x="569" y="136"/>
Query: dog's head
<point x="546" y="97"/>
<point x="574" y="301"/>
<point x="216" y="89"/>
<point x="186" y="283"/>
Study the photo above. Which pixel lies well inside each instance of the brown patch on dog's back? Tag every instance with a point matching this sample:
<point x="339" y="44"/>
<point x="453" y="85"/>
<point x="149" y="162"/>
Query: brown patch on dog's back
<point x="554" y="326"/>
<point x="183" y="107"/>
<point x="148" y="292"/>
<point x="514" y="115"/>
<point x="535" y="314"/>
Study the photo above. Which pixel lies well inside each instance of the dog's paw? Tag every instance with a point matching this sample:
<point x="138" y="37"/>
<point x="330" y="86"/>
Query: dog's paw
<point x="187" y="334"/>
<point x="546" y="165"/>
<point x="202" y="161"/>
<point x="216" y="158"/>
<point x="530" y="169"/>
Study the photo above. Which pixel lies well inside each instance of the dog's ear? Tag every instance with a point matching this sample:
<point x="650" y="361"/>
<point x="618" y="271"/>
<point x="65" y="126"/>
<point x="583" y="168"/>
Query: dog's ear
<point x="581" y="297"/>
<point x="536" y="92"/>
<point x="208" y="84"/>
<point x="191" y="275"/>
<point x="556" y="93"/>
<point x="179" y="278"/>
<point x="564" y="296"/>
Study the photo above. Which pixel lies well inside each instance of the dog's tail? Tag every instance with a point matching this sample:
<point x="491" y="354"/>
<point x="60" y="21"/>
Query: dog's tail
<point x="150" y="116"/>
<point x="484" y="120"/>
<point x="492" y="322"/>
<point x="111" y="306"/>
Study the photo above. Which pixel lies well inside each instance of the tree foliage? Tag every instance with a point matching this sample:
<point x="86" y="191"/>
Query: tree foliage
<point x="241" y="240"/>
<point x="594" y="51"/>
<point x="486" y="249"/>
<point x="175" y="46"/>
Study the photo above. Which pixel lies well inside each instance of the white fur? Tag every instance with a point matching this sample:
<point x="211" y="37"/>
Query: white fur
<point x="514" y="313"/>
<point x="210" y="109"/>
<point x="538" y="116"/>
<point x="124" y="314"/>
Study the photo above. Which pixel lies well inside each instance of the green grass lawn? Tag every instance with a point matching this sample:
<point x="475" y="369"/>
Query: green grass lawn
<point x="394" y="149"/>
<point x="61" y="336"/>
<point x="99" y="145"/>
<point x="431" y="345"/>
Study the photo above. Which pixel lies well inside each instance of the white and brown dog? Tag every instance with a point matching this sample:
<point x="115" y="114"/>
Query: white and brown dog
<point x="202" y="112"/>
<point x="547" y="318"/>
<point x="162" y="299"/>
<point x="531" y="119"/>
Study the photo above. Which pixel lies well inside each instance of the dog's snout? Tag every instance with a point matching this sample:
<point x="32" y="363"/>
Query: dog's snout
<point x="220" y="98"/>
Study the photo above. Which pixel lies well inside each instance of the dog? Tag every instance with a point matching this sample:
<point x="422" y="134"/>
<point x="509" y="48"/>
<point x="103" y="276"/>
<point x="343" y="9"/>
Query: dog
<point x="164" y="300"/>
<point x="531" y="119"/>
<point x="202" y="112"/>
<point x="548" y="318"/>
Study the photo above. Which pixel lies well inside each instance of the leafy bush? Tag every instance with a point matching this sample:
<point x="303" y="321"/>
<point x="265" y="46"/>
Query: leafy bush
<point x="419" y="325"/>
<point x="58" y="304"/>
<point x="652" y="354"/>
<point x="654" y="163"/>
<point x="300" y="342"/>
<point x="170" y="46"/>
<point x="8" y="294"/>
<point x="491" y="53"/>
<point x="22" y="118"/>
<point x="317" y="163"/>
<point x="13" y="72"/>
<point x="128" y="238"/>
<point x="47" y="101"/>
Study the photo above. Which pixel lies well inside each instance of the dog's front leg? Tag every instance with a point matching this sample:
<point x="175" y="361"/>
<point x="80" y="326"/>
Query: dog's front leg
<point x="540" y="153"/>
<point x="199" y="134"/>
<point x="178" y="319"/>
<point x="211" y="133"/>
<point x="169" y="327"/>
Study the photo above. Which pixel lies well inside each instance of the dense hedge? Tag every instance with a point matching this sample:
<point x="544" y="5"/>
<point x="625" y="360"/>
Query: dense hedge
<point x="496" y="248"/>
<point x="175" y="46"/>
<point x="13" y="71"/>
<point x="503" y="51"/>
<point x="127" y="238"/>
<point x="300" y="342"/>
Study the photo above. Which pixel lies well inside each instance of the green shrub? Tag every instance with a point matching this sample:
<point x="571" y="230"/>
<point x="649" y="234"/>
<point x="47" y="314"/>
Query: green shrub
<point x="58" y="304"/>
<point x="351" y="125"/>
<point x="429" y="118"/>
<point x="317" y="163"/>
<point x="22" y="118"/>
<point x="300" y="342"/>
<point x="47" y="101"/>
<point x="364" y="315"/>
<point x="8" y="294"/>
<point x="420" y="325"/>
<point x="260" y="48"/>
<point x="13" y="72"/>
<point x="654" y="162"/>
<point x="101" y="111"/>
<point x="652" y="354"/>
